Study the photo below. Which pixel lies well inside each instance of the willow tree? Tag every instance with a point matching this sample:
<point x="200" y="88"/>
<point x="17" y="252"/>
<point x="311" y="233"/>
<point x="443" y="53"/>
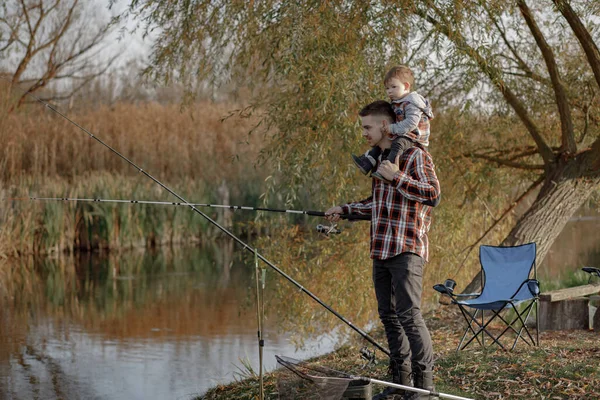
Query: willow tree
<point x="308" y="66"/>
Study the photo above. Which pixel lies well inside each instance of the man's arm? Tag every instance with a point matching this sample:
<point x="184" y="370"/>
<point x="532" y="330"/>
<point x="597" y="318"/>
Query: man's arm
<point x="422" y="184"/>
<point x="363" y="207"/>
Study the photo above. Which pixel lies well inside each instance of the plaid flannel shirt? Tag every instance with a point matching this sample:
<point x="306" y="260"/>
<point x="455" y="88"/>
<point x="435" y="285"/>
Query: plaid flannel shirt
<point x="401" y="211"/>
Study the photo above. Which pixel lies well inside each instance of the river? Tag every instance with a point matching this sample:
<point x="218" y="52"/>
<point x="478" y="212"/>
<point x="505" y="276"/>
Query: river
<point x="167" y="325"/>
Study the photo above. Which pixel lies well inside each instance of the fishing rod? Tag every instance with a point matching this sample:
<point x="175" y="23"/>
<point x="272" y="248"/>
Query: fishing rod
<point x="196" y="210"/>
<point x="350" y="217"/>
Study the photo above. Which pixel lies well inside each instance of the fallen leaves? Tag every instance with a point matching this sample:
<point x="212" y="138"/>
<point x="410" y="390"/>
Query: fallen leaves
<point x="564" y="366"/>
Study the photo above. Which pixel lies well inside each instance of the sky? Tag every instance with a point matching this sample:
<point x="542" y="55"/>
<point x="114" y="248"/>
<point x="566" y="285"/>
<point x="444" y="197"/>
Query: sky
<point x="122" y="42"/>
<point x="132" y="46"/>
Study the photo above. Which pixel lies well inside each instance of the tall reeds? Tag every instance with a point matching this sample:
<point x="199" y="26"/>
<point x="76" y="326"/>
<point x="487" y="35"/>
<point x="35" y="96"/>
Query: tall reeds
<point x="194" y="151"/>
<point x="195" y="144"/>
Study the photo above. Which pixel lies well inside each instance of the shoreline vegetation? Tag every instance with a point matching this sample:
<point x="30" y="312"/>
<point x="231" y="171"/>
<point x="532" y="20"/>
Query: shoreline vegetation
<point x="192" y="151"/>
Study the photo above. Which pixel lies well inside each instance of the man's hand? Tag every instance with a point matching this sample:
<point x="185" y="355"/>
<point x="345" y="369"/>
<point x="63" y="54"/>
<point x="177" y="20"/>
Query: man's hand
<point x="385" y="128"/>
<point x="388" y="170"/>
<point x="333" y="214"/>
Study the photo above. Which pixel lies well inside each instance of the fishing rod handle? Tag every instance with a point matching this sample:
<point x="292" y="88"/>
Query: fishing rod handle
<point x="349" y="217"/>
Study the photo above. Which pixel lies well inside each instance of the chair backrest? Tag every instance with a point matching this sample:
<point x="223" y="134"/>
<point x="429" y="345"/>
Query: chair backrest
<point x="505" y="268"/>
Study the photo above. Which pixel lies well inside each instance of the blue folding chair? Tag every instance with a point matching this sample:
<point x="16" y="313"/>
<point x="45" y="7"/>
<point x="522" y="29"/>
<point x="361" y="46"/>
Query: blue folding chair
<point x="506" y="284"/>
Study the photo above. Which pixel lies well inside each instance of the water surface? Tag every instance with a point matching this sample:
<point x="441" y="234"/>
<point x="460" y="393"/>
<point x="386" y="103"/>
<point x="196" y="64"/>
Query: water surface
<point x="134" y="326"/>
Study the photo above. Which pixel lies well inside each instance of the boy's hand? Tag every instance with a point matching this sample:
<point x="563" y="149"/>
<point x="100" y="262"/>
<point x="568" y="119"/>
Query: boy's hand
<point x="385" y="128"/>
<point x="388" y="170"/>
<point x="333" y="214"/>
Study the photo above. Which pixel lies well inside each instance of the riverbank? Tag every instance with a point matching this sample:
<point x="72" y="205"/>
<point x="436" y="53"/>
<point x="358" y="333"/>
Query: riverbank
<point x="565" y="366"/>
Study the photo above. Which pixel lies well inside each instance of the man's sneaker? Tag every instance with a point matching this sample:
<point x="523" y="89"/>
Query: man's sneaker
<point x="363" y="163"/>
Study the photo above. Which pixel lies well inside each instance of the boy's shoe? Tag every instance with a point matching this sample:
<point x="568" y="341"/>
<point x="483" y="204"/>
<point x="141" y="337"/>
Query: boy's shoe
<point x="377" y="175"/>
<point x="363" y="163"/>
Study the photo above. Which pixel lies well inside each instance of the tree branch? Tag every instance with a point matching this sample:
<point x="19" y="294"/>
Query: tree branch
<point x="13" y="26"/>
<point x="518" y="59"/>
<point x="508" y="163"/>
<point x="536" y="78"/>
<point x="509" y="154"/>
<point x="54" y="38"/>
<point x="31" y="51"/>
<point x="64" y="45"/>
<point x="566" y="121"/>
<point x="583" y="35"/>
<point x="586" y="119"/>
<point x="495" y="77"/>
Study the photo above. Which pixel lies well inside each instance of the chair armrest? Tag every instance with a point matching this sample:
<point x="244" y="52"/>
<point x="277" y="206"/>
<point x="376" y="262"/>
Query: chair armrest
<point x="592" y="270"/>
<point x="534" y="287"/>
<point x="443" y="289"/>
<point x="446" y="288"/>
<point x="467" y="294"/>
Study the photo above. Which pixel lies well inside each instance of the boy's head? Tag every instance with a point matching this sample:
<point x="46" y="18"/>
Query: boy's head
<point x="398" y="82"/>
<point x="372" y="117"/>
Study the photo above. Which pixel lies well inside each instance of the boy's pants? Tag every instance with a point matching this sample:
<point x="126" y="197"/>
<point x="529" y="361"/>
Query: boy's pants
<point x="398" y="285"/>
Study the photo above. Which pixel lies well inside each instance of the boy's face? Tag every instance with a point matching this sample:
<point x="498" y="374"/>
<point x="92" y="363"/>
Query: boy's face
<point x="371" y="125"/>
<point x="396" y="89"/>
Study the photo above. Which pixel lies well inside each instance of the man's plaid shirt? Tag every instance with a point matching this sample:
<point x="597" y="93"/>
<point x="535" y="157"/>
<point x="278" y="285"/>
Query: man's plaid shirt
<point x="401" y="212"/>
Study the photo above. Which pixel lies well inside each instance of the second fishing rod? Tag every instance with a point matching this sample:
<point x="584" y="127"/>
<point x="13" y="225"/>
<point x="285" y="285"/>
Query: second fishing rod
<point x="325" y="229"/>
<point x="223" y="229"/>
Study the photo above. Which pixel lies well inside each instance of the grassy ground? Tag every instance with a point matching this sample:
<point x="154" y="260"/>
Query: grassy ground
<point x="565" y="366"/>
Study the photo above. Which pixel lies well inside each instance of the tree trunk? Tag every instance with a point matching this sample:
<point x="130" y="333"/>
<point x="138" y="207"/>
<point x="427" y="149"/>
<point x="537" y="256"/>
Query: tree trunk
<point x="565" y="189"/>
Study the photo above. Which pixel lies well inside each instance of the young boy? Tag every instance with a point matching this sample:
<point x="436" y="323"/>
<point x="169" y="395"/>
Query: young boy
<point x="413" y="113"/>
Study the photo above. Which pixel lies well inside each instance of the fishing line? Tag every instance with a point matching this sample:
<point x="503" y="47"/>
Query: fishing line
<point x="196" y="210"/>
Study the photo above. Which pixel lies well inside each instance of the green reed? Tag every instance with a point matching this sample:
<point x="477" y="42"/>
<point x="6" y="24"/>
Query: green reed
<point x="39" y="227"/>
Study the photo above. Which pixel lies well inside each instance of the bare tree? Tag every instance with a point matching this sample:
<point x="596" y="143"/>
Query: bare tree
<point x="51" y="41"/>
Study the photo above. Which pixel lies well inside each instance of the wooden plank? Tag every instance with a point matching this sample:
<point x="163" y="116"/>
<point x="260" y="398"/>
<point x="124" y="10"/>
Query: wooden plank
<point x="568" y="293"/>
<point x="564" y="315"/>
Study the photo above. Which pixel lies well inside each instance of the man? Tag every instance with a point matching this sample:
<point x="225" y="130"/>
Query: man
<point x="400" y="219"/>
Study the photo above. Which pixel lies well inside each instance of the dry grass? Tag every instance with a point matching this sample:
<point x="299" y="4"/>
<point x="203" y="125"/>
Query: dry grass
<point x="170" y="143"/>
<point x="563" y="367"/>
<point x="194" y="151"/>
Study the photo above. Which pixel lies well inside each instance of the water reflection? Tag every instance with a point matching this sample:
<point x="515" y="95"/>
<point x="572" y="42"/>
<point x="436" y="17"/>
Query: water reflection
<point x="578" y="245"/>
<point x="167" y="325"/>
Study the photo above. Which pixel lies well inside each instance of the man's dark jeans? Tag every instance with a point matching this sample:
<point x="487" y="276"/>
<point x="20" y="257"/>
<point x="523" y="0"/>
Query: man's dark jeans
<point x="398" y="285"/>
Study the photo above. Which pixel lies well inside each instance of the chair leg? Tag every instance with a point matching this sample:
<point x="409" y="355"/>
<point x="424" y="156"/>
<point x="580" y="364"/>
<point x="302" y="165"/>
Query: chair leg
<point x="482" y="323"/>
<point x="523" y="326"/>
<point x="482" y="329"/>
<point x="470" y="319"/>
<point x="509" y="325"/>
<point x="518" y="333"/>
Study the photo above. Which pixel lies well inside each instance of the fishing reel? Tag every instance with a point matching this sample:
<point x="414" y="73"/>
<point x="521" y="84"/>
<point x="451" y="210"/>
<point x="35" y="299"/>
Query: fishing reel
<point x="327" y="230"/>
<point x="367" y="355"/>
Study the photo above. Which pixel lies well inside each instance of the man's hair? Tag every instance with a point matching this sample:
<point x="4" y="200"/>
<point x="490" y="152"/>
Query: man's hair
<point x="378" y="108"/>
<point x="401" y="72"/>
